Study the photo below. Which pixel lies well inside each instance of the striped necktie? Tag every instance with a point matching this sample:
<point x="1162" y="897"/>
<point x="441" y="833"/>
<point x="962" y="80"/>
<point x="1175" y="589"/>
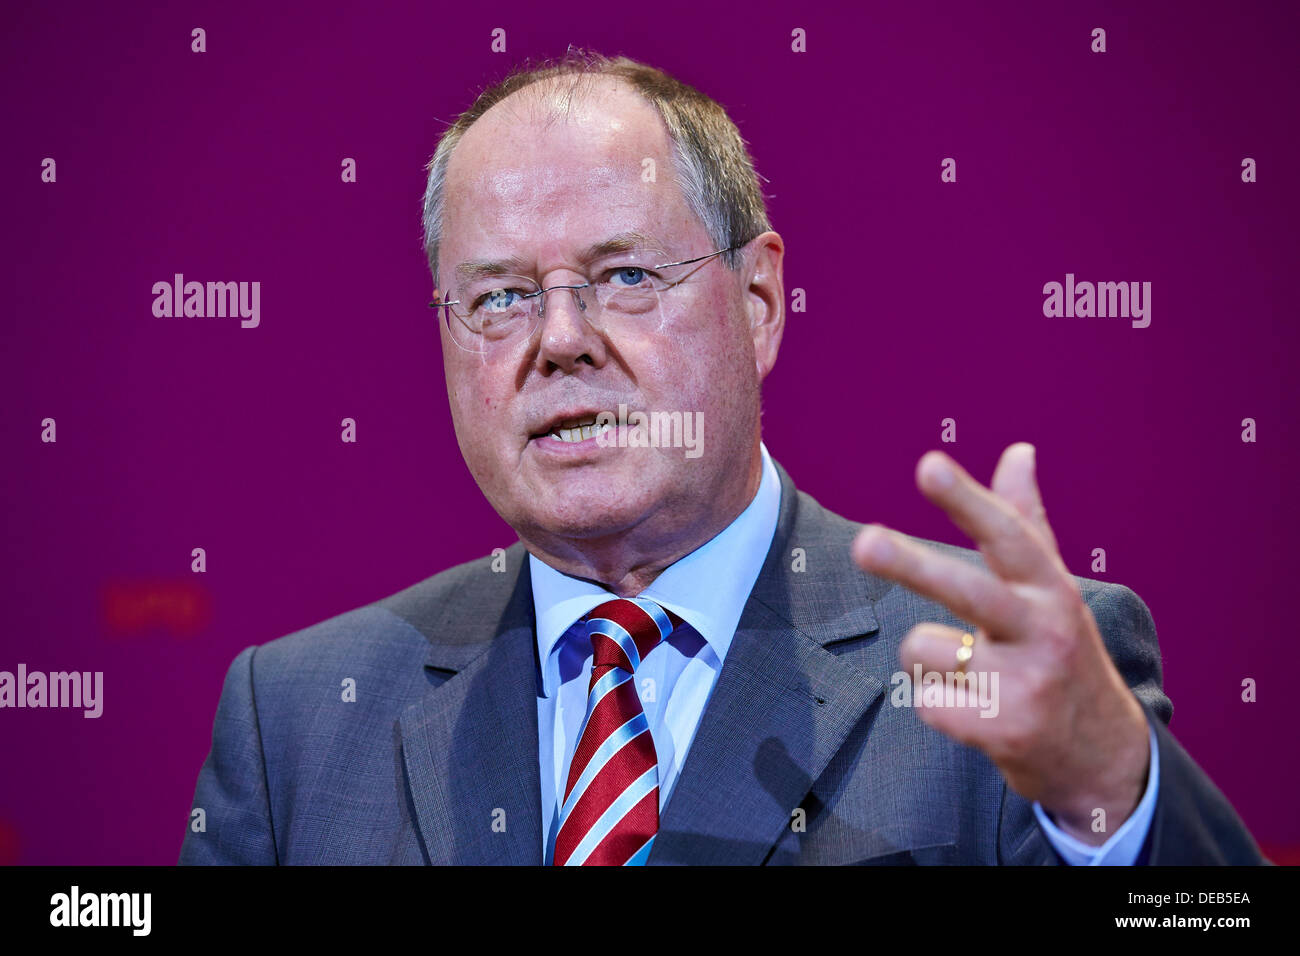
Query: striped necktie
<point x="611" y="802"/>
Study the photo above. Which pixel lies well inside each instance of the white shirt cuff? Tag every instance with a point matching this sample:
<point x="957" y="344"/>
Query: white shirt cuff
<point x="1124" y="846"/>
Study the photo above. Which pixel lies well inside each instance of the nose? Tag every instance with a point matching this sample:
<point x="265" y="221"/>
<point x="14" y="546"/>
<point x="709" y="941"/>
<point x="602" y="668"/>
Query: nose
<point x="577" y="292"/>
<point x="568" y="338"/>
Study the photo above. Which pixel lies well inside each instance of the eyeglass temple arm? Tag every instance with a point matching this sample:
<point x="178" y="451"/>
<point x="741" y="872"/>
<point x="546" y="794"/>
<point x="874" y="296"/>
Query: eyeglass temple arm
<point x="687" y="262"/>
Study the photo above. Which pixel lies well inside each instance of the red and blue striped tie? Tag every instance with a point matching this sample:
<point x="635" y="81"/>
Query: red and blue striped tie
<point x="611" y="802"/>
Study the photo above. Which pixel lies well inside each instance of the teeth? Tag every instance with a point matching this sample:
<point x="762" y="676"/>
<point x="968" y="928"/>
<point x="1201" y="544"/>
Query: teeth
<point x="579" y="432"/>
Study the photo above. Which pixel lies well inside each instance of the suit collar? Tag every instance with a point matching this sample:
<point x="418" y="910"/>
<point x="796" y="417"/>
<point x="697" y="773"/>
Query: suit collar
<point x="808" y="580"/>
<point x="810" y="546"/>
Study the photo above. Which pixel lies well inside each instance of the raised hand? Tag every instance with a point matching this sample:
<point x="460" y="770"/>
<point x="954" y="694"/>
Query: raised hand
<point x="1068" y="732"/>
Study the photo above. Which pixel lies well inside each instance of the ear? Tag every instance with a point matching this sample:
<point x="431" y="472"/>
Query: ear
<point x="765" y="299"/>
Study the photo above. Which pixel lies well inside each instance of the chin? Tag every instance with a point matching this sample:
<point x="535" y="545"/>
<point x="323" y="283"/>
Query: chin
<point x="588" y="516"/>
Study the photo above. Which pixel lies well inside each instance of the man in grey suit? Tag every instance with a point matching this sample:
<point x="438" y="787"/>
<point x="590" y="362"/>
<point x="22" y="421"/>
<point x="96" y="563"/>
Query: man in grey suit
<point x="684" y="659"/>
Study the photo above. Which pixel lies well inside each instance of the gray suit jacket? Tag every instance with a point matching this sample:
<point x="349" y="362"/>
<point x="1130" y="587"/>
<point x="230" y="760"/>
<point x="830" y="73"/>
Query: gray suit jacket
<point x="436" y="760"/>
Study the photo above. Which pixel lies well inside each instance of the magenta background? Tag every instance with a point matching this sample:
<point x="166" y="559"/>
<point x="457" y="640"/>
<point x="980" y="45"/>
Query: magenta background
<point x="182" y="433"/>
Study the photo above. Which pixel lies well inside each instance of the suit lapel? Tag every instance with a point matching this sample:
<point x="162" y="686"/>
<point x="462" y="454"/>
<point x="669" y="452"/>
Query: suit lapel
<point x="783" y="704"/>
<point x="470" y="745"/>
<point x="781" y="709"/>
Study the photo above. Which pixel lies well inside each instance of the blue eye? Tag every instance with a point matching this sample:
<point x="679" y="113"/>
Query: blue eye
<point x="497" y="299"/>
<point x="627" y="276"/>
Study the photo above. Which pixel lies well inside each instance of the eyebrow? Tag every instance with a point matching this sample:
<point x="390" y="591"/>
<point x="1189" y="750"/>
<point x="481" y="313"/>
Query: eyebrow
<point x="513" y="265"/>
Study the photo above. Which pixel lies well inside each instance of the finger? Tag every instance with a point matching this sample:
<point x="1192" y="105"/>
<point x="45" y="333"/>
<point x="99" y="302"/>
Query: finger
<point x="934" y="648"/>
<point x="967" y="590"/>
<point x="952" y="698"/>
<point x="1016" y="480"/>
<point x="1005" y="537"/>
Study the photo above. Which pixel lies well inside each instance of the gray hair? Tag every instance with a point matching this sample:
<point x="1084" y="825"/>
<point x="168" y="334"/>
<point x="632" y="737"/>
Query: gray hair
<point x="714" y="169"/>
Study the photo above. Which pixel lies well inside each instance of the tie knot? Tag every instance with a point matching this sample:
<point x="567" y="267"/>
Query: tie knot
<point x="623" y="631"/>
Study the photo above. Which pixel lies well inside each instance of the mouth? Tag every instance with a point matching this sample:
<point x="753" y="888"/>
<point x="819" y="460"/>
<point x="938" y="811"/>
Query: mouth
<point x="571" y="428"/>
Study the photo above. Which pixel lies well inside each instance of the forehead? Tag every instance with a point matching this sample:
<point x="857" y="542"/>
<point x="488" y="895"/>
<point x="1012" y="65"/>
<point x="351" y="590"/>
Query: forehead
<point x="552" y="165"/>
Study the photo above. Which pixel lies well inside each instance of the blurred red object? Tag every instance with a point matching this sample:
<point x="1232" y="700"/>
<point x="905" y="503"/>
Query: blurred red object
<point x="8" y="844"/>
<point x="1281" y="855"/>
<point x="180" y="607"/>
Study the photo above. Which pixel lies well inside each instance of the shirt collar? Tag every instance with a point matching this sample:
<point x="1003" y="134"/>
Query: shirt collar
<point x="708" y="588"/>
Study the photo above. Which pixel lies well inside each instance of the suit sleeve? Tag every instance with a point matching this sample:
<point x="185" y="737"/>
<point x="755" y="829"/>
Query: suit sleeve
<point x="1193" y="822"/>
<point x="232" y="787"/>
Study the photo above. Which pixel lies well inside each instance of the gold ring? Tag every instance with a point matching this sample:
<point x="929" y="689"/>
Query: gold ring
<point x="965" y="652"/>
